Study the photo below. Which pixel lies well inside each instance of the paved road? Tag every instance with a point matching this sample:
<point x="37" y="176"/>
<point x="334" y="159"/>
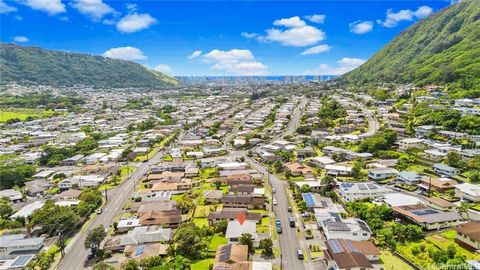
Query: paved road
<point x="76" y="253"/>
<point x="373" y="125"/>
<point x="296" y="117"/>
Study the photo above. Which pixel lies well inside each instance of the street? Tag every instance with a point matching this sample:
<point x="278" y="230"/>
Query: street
<point x="75" y="252"/>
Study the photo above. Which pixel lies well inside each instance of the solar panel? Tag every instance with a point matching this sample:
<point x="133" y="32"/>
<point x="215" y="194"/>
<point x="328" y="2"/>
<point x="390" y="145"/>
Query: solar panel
<point x="338" y="226"/>
<point x="336" y="246"/>
<point x="225" y="255"/>
<point x="140" y="250"/>
<point x="424" y="212"/>
<point x="336" y="216"/>
<point x="351" y="247"/>
<point x="22" y="260"/>
<point x="363" y="225"/>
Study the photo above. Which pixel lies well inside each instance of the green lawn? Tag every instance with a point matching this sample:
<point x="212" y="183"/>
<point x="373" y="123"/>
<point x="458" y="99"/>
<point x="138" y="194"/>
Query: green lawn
<point x="201" y="222"/>
<point x="216" y="241"/>
<point x="450" y="235"/>
<point x="22" y="114"/>
<point x="202" y="211"/>
<point x="391" y="262"/>
<point x="202" y="265"/>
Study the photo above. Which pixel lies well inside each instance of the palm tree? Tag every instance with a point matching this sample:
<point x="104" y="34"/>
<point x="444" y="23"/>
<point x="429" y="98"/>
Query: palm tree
<point x="463" y="208"/>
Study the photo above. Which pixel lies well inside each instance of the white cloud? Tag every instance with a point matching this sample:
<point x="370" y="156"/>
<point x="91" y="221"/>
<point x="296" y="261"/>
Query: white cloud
<point x="125" y="53"/>
<point x="194" y="55"/>
<point x="295" y="32"/>
<point x="96" y="9"/>
<point x="240" y="62"/>
<point x="345" y="65"/>
<point x="317" y="18"/>
<point x="361" y="27"/>
<point x="4" y="8"/>
<point x="290" y="22"/>
<point x="135" y="22"/>
<point x="423" y="12"/>
<point x="51" y="7"/>
<point x="317" y="49"/>
<point x="132" y="7"/>
<point x="249" y="35"/>
<point x="164" y="68"/>
<point x="20" y="39"/>
<point x="393" y="18"/>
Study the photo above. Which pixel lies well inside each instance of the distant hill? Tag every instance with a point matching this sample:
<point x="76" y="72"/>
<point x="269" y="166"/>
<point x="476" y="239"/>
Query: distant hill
<point x="441" y="49"/>
<point x="58" y="68"/>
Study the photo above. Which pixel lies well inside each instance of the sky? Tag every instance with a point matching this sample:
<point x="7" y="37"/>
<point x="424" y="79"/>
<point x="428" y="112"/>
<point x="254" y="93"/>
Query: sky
<point x="216" y="37"/>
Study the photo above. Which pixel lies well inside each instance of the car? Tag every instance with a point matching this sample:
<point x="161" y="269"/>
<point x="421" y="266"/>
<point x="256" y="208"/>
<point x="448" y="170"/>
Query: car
<point x="278" y="222"/>
<point x="289" y="209"/>
<point x="91" y="254"/>
<point x="291" y="220"/>
<point x="279" y="228"/>
<point x="300" y="254"/>
<point x="275" y="202"/>
<point x="99" y="211"/>
<point x="273" y="190"/>
<point x="106" y="230"/>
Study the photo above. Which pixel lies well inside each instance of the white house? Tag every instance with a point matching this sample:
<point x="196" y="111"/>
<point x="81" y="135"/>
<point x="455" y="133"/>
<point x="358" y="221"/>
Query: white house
<point x="351" y="229"/>
<point x="410" y="143"/>
<point x="321" y="162"/>
<point x="409" y="177"/>
<point x="81" y="180"/>
<point x="381" y="173"/>
<point x="235" y="230"/>
<point x="443" y="169"/>
<point x="14" y="245"/>
<point x="468" y="192"/>
<point x="336" y="170"/>
<point x="359" y="191"/>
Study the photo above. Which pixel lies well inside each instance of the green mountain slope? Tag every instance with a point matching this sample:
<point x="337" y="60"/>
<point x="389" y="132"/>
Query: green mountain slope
<point x="57" y="68"/>
<point x="443" y="49"/>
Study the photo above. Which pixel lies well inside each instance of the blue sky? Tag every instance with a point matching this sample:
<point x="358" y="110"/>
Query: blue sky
<point x="216" y="37"/>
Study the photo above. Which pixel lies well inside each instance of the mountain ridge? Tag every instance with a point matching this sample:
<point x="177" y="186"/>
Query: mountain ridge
<point x="61" y="68"/>
<point x="441" y="49"/>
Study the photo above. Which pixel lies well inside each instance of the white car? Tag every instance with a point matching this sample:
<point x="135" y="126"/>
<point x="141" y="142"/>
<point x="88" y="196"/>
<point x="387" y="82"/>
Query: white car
<point x="274" y="201"/>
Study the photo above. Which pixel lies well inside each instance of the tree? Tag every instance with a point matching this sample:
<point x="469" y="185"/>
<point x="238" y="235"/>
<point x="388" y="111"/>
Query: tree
<point x="305" y="188"/>
<point x="5" y="208"/>
<point x="358" y="166"/>
<point x="221" y="226"/>
<point x="454" y="159"/>
<point x="55" y="219"/>
<point x="131" y="265"/>
<point x="246" y="239"/>
<point x="95" y="237"/>
<point x="188" y="242"/>
<point x="266" y="245"/>
<point x="464" y="208"/>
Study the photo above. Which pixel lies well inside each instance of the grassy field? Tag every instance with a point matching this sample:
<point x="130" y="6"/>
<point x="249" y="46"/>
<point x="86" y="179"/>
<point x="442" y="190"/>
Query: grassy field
<point x="201" y="222"/>
<point x="392" y="262"/>
<point x="202" y="265"/>
<point x="216" y="241"/>
<point x="23" y="114"/>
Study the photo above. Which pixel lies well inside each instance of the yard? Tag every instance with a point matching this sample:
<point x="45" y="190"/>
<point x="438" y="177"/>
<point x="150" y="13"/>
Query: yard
<point x="23" y="114"/>
<point x="202" y="265"/>
<point x="216" y="241"/>
<point x="391" y="261"/>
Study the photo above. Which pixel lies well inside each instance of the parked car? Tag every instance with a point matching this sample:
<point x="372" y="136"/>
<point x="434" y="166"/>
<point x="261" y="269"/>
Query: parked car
<point x="275" y="202"/>
<point x="291" y="220"/>
<point x="300" y="254"/>
<point x="289" y="209"/>
<point x="99" y="211"/>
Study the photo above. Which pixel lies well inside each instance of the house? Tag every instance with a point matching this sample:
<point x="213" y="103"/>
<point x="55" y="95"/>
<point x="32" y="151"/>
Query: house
<point x="232" y="257"/>
<point x="147" y="234"/>
<point x="440" y="204"/>
<point x="71" y="194"/>
<point x="359" y="191"/>
<point x="43" y="175"/>
<point x="148" y="195"/>
<point x="12" y="194"/>
<point x="338" y="170"/>
<point x="427" y="217"/>
<point x="298" y="169"/>
<point x="164" y="213"/>
<point x="231" y="214"/>
<point x="235" y="229"/>
<point x="408" y="177"/>
<point x="409" y="143"/>
<point x="166" y="176"/>
<point x="381" y="173"/>
<point x="467" y="191"/>
<point x="346" y="255"/>
<point x="424" y="131"/>
<point x="81" y="181"/>
<point x="28" y="209"/>
<point x="140" y="252"/>
<point x="212" y="196"/>
<point x="468" y="235"/>
<point x="321" y="162"/>
<point x="37" y="187"/>
<point x="243" y="201"/>
<point x="442" y="169"/>
<point x="14" y="245"/>
<point x="351" y="229"/>
<point x="244" y="189"/>
<point x="400" y="199"/>
<point x="441" y="184"/>
<point x="172" y="187"/>
<point x="125" y="225"/>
